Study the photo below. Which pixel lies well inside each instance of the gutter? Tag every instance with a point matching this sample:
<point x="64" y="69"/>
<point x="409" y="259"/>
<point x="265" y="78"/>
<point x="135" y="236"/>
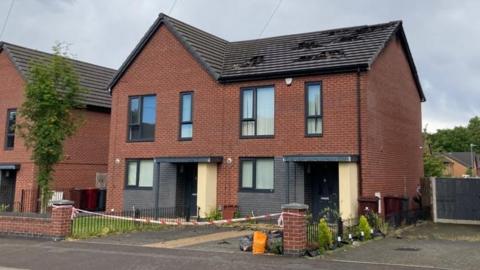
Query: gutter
<point x="295" y="73"/>
<point x="359" y="134"/>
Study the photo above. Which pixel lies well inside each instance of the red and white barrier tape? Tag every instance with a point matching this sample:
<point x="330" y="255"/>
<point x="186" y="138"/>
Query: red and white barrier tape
<point x="167" y="221"/>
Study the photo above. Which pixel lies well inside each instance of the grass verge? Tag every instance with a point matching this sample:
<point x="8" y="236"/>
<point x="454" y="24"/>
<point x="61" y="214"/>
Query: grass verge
<point x="96" y="226"/>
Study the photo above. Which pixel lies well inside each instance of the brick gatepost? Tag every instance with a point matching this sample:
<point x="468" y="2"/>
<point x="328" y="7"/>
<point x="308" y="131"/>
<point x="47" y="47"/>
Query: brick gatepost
<point x="294" y="229"/>
<point x="61" y="219"/>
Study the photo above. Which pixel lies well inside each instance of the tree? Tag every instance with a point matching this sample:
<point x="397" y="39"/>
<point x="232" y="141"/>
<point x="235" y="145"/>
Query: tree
<point x="432" y="165"/>
<point x="47" y="116"/>
<point x="457" y="139"/>
<point x="451" y="140"/>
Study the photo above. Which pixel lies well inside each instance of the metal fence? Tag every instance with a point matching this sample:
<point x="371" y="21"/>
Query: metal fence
<point x="346" y="229"/>
<point x="86" y="224"/>
<point x="27" y="201"/>
<point x="18" y="201"/>
<point x="339" y="228"/>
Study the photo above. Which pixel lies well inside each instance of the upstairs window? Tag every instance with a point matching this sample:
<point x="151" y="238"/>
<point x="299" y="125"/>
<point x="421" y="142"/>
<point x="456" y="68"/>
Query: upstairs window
<point x="139" y="173"/>
<point x="141" y="118"/>
<point x="313" y="109"/>
<point x="256" y="174"/>
<point x="186" y="115"/>
<point x="10" y="132"/>
<point x="257" y="112"/>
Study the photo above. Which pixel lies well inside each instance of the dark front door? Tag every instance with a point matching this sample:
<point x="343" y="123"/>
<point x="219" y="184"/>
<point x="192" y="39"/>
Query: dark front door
<point x="7" y="189"/>
<point x="324" y="181"/>
<point x="190" y="178"/>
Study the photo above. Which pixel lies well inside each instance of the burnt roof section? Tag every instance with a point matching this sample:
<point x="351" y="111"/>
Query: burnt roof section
<point x="92" y="77"/>
<point x="331" y="51"/>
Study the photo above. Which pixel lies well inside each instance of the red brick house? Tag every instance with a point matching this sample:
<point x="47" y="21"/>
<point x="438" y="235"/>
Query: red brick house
<point x="85" y="153"/>
<point x="320" y="118"/>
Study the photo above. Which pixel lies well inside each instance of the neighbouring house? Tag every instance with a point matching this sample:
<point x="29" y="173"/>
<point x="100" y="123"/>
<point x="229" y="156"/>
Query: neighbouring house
<point x="320" y="118"/>
<point x="86" y="153"/>
<point x="458" y="164"/>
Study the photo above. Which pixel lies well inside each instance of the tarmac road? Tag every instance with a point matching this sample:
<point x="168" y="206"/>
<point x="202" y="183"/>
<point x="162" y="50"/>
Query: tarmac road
<point x="18" y="253"/>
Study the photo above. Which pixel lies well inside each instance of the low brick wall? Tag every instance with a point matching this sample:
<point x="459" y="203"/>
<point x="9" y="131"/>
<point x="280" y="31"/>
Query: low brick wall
<point x="57" y="226"/>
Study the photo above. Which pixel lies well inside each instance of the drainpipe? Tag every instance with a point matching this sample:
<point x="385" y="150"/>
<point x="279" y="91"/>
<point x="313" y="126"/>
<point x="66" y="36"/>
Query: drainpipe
<point x="288" y="183"/>
<point x="157" y="190"/>
<point x="359" y="134"/>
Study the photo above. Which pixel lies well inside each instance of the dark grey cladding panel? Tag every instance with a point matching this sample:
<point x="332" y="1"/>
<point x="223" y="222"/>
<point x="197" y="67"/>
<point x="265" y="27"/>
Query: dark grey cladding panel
<point x="145" y="199"/>
<point x="167" y="184"/>
<point x="138" y="199"/>
<point x="262" y="203"/>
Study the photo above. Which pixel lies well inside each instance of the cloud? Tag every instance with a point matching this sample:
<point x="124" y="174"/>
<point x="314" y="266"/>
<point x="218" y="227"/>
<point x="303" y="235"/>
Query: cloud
<point x="442" y="34"/>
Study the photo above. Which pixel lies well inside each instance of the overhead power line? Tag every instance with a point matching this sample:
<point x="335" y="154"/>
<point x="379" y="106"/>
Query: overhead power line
<point x="172" y="7"/>
<point x="271" y="16"/>
<point x="6" y="19"/>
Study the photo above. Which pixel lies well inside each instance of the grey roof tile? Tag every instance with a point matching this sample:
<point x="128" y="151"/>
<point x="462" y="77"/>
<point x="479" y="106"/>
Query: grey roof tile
<point x="92" y="77"/>
<point x="337" y="50"/>
<point x="463" y="158"/>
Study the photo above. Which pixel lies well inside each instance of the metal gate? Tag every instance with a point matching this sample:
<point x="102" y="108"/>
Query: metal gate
<point x="456" y="200"/>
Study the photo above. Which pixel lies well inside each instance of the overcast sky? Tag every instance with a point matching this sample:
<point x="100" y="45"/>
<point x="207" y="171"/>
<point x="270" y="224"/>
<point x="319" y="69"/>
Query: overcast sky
<point x="444" y="36"/>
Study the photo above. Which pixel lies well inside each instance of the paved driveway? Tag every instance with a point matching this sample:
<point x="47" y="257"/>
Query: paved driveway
<point x="429" y="245"/>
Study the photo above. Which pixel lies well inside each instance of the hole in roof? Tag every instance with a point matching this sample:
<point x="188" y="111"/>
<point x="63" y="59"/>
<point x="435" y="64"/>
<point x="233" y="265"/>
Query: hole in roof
<point x="331" y="54"/>
<point x="254" y="61"/>
<point x="348" y="38"/>
<point x="308" y="44"/>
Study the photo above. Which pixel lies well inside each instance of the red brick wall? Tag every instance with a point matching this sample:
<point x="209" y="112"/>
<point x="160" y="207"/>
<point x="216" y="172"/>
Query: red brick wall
<point x="294" y="231"/>
<point x="86" y="152"/>
<point x="391" y="126"/>
<point x="165" y="68"/>
<point x="57" y="226"/>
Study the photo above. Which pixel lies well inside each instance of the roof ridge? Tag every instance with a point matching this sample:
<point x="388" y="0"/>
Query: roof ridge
<point x="163" y="15"/>
<point x="319" y="31"/>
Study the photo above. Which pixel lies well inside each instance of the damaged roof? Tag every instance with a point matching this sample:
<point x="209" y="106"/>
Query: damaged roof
<point x="330" y="51"/>
<point x="92" y="77"/>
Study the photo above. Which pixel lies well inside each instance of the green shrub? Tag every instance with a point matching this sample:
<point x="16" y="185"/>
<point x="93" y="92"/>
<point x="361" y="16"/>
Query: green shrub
<point x="364" y="227"/>
<point x="214" y="215"/>
<point x="4" y="207"/>
<point x="325" y="238"/>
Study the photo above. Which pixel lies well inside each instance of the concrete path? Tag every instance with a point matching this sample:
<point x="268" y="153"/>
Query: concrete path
<point x="197" y="240"/>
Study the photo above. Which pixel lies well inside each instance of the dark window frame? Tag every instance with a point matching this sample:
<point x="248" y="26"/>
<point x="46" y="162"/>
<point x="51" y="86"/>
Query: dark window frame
<point x="254" y="176"/>
<point x="181" y="121"/>
<point x="307" y="116"/>
<point x="137" y="176"/>
<point x="254" y="113"/>
<point x="140" y="112"/>
<point x="7" y="125"/>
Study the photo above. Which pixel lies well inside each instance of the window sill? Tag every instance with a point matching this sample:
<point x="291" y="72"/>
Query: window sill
<point x="184" y="139"/>
<point x="140" y="141"/>
<point x="245" y="190"/>
<point x="313" y="135"/>
<point x="258" y="137"/>
<point x="138" y="188"/>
